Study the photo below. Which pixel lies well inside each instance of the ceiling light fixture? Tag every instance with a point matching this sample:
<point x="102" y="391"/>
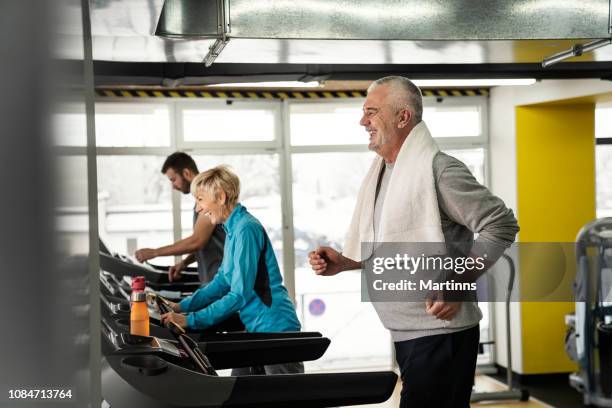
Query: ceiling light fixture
<point x="473" y="82"/>
<point x="278" y="84"/>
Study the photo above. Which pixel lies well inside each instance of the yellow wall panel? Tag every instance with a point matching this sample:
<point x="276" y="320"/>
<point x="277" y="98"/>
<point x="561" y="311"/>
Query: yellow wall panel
<point x="556" y="170"/>
<point x="556" y="197"/>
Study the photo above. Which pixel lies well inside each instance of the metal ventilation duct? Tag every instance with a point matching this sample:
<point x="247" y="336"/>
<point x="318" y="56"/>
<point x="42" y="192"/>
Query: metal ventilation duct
<point x="389" y="19"/>
<point x="318" y="31"/>
<point x="191" y="19"/>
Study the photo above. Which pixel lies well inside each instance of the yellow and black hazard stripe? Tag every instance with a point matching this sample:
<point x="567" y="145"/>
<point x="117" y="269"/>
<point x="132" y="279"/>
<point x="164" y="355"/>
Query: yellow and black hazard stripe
<point x="456" y="92"/>
<point x="263" y="94"/>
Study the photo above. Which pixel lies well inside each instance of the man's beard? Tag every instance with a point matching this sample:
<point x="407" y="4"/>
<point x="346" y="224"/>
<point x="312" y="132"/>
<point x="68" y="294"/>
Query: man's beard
<point x="186" y="186"/>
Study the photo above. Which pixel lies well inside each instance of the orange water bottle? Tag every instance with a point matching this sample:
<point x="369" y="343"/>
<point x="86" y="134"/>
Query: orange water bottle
<point x="139" y="313"/>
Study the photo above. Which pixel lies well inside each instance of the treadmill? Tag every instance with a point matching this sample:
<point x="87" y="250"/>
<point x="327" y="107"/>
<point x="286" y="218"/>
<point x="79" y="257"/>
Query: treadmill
<point x="233" y="351"/>
<point x="145" y="371"/>
<point x="115" y="313"/>
<point x="156" y="276"/>
<point x="115" y="279"/>
<point x="139" y="371"/>
<point x="115" y="306"/>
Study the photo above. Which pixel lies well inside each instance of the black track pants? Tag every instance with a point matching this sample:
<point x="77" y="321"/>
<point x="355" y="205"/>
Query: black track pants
<point x="438" y="371"/>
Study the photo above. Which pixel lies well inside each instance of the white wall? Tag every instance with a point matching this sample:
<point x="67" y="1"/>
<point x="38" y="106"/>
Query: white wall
<point x="503" y="173"/>
<point x="502" y="156"/>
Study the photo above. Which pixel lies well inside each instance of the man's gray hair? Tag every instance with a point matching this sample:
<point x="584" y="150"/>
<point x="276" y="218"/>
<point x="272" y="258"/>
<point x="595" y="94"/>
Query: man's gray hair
<point x="405" y="94"/>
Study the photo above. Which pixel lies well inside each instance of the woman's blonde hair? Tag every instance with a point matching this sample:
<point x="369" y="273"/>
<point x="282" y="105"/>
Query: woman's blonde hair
<point x="215" y="180"/>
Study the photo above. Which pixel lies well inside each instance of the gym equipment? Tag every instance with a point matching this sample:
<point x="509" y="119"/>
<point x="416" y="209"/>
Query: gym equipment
<point x="229" y="349"/>
<point x="156" y="371"/>
<point x="510" y="393"/>
<point x="115" y="305"/>
<point x="240" y="350"/>
<point x="115" y="278"/>
<point x="116" y="322"/>
<point x="141" y="371"/>
<point x="156" y="276"/>
<point x="120" y="286"/>
<point x="589" y="335"/>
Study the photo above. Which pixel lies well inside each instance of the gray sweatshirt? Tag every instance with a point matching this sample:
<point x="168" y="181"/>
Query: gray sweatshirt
<point x="466" y="207"/>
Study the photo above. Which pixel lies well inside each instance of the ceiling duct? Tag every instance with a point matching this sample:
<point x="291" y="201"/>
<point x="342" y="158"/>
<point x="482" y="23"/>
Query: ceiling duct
<point x="346" y="31"/>
<point x="196" y="19"/>
<point x="191" y="19"/>
<point x="392" y="19"/>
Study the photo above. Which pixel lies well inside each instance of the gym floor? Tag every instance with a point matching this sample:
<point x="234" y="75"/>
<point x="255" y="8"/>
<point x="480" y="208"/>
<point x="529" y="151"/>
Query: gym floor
<point x="553" y="389"/>
<point x="544" y="393"/>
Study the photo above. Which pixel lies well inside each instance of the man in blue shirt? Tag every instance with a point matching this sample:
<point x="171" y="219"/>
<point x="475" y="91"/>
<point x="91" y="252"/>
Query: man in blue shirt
<point x="249" y="279"/>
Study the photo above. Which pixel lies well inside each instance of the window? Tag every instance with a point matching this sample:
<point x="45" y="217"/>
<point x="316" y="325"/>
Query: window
<point x="452" y="121"/>
<point x="132" y="124"/>
<point x="325" y="187"/>
<point x="345" y="319"/>
<point x="337" y="123"/>
<point x="259" y="192"/>
<point x="69" y="126"/>
<point x="217" y="121"/>
<point x="134" y="204"/>
<point x="315" y="124"/>
<point x="603" y="121"/>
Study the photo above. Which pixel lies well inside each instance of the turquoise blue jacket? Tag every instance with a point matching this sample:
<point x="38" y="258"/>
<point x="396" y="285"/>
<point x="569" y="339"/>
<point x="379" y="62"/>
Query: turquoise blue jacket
<point x="249" y="282"/>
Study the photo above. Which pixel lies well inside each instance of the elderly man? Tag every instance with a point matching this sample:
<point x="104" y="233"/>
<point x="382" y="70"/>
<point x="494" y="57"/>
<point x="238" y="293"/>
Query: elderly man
<point x="415" y="193"/>
<point x="205" y="244"/>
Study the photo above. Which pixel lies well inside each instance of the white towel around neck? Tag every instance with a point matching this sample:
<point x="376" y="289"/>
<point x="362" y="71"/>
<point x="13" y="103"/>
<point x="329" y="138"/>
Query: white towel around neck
<point x="410" y="211"/>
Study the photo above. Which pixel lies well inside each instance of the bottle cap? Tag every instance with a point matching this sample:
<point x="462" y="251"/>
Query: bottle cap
<point x="138" y="283"/>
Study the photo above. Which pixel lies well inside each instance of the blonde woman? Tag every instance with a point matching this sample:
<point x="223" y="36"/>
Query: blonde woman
<point x="249" y="279"/>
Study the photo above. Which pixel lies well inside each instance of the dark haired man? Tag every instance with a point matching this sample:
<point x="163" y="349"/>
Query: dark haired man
<point x="205" y="244"/>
